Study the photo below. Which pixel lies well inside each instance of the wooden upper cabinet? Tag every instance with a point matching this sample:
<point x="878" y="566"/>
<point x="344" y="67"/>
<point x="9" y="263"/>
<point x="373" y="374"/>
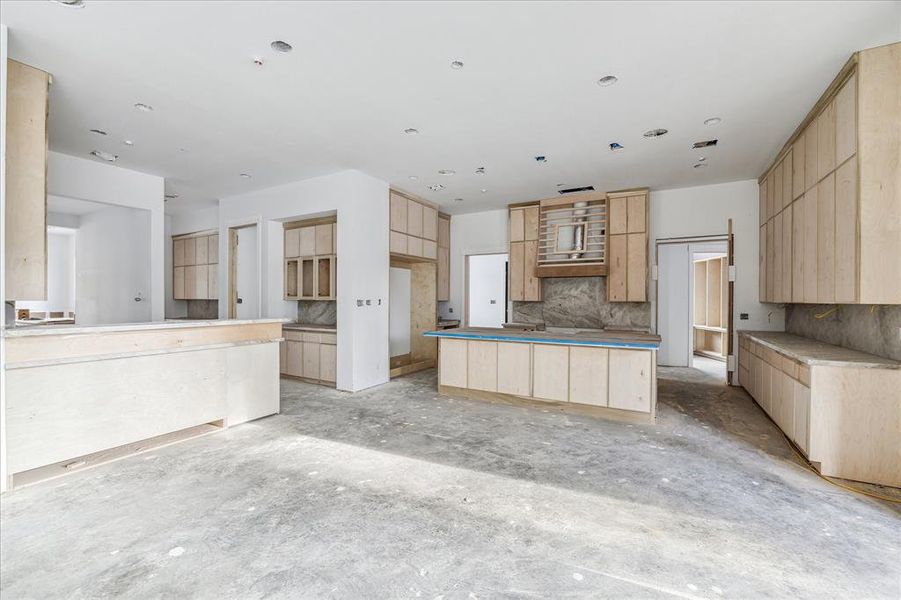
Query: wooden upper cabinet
<point x="530" y="223"/>
<point x="324" y="242"/>
<point x="443" y="231"/>
<point x="826" y="141"/>
<point x="292" y="243"/>
<point x="26" y="182"/>
<point x="770" y="194"/>
<point x="178" y="253"/>
<point x="810" y="156"/>
<point x="213" y="248"/>
<point x="798" y="158"/>
<point x="761" y="202"/>
<point x="778" y="188"/>
<point x="201" y="248"/>
<point x="414" y="218"/>
<point x="637" y="212"/>
<point x="787" y="173"/>
<point x="307" y="241"/>
<point x="618" y="215"/>
<point x="190" y="251"/>
<point x="517" y="225"/>
<point x="846" y="121"/>
<point x="429" y="223"/>
<point x="398" y="212"/>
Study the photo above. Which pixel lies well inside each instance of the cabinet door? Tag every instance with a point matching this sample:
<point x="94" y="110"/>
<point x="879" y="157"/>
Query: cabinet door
<point x="761" y="265"/>
<point x="770" y="261"/>
<point x="531" y="284"/>
<point x="443" y="232"/>
<point x="307" y="242"/>
<point x="787" y="168"/>
<point x="213" y="249"/>
<point x="201" y="282"/>
<point x="550" y="372"/>
<point x="328" y="362"/>
<point x="452" y="362"/>
<point x="810" y="245"/>
<point x="292" y="243"/>
<point x="846" y="232"/>
<point x="771" y="194"/>
<point x="530" y="223"/>
<point x="398" y="213"/>
<point x="618" y="215"/>
<point x="517" y="270"/>
<point x="430" y="223"/>
<point x="630" y="374"/>
<point x="190" y="251"/>
<point x="414" y="246"/>
<point x="517" y="225"/>
<point x="846" y="121"/>
<point x="514" y="368"/>
<point x="798" y="167"/>
<point x="414" y="218"/>
<point x="788" y="404"/>
<point x="802" y="415"/>
<point x="797" y="260"/>
<point x="777" y="258"/>
<point x="761" y="203"/>
<point x="282" y="356"/>
<point x="826" y="240"/>
<point x="481" y="365"/>
<point x="636" y="208"/>
<point x="191" y="282"/>
<point x="637" y="267"/>
<point x="826" y="141"/>
<point x="178" y="283"/>
<point x="311" y="360"/>
<point x="178" y="253"/>
<point x="201" y="246"/>
<point x="810" y="155"/>
<point x="397" y="242"/>
<point x="588" y="375"/>
<point x="616" y="268"/>
<point x="213" y="282"/>
<point x="429" y="249"/>
<point x="324" y="243"/>
<point x="294" y="358"/>
<point x="443" y="274"/>
<point x="778" y="187"/>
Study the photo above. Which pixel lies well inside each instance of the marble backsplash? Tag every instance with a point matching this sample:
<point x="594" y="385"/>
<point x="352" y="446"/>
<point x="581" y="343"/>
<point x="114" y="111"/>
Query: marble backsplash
<point x="317" y="312"/>
<point x="581" y="302"/>
<point x="203" y="309"/>
<point x="875" y="329"/>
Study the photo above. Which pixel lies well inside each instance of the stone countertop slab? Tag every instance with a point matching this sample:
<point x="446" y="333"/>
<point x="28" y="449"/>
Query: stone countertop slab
<point x="311" y="327"/>
<point x="609" y="339"/>
<point x="121" y="327"/>
<point x="813" y="352"/>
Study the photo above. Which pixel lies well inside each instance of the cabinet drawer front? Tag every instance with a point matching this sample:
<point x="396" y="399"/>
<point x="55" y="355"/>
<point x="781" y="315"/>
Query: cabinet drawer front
<point x="310" y="337"/>
<point x="291" y="334"/>
<point x="429" y="249"/>
<point x="328" y="338"/>
<point x="414" y="246"/>
<point x="397" y="243"/>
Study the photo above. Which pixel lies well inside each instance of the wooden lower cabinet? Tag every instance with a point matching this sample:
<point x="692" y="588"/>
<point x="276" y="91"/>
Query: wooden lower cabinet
<point x="294" y="358"/>
<point x="623" y="379"/>
<point x="328" y="362"/>
<point x="309" y="355"/>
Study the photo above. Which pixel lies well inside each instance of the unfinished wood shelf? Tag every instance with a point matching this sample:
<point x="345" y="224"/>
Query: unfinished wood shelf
<point x="572" y="236"/>
<point x="710" y="314"/>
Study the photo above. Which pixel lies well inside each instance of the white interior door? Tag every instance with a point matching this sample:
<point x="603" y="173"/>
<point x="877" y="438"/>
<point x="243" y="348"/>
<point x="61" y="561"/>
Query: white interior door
<point x="487" y="285"/>
<point x="674" y="304"/>
<point x="247" y="274"/>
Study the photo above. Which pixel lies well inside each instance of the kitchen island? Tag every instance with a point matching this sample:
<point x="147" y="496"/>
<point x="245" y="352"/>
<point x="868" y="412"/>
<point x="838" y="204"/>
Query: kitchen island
<point x="606" y="373"/>
<point x="77" y="396"/>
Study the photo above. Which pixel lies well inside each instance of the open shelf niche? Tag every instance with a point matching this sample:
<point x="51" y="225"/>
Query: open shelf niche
<point x="711" y="310"/>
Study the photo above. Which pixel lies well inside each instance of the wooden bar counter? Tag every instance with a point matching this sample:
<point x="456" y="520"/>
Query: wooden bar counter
<point x="606" y="373"/>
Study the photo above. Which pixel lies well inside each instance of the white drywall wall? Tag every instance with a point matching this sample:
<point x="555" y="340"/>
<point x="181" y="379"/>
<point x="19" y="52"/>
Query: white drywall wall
<point x="399" y="312"/>
<point x="84" y="179"/>
<point x="487" y="290"/>
<point x="60" y="273"/>
<point x="113" y="267"/>
<point x="4" y="37"/>
<point x="195" y="220"/>
<point x="472" y="233"/>
<point x="361" y="204"/>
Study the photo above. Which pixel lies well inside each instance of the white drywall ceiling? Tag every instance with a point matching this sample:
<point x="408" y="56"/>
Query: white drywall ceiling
<point x="362" y="72"/>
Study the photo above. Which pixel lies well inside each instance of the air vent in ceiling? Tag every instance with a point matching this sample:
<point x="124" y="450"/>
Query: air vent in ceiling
<point x="587" y="188"/>
<point x="704" y="144"/>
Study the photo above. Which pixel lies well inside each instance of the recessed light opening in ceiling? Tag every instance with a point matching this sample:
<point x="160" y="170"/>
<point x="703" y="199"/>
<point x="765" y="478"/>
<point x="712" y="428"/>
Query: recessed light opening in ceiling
<point x="104" y="155"/>
<point x="704" y="144"/>
<point x="584" y="188"/>
<point x="607" y="80"/>
<point x="143" y="107"/>
<point x="713" y="121"/>
<point x="457" y="64"/>
<point x="653" y="133"/>
<point x="411" y="131"/>
<point x="436" y="187"/>
<point x="98" y="131"/>
<point x="446" y="172"/>
<point x="280" y="46"/>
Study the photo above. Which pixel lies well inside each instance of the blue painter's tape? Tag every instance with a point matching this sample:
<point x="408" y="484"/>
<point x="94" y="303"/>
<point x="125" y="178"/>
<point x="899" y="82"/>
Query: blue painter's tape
<point x="556" y="342"/>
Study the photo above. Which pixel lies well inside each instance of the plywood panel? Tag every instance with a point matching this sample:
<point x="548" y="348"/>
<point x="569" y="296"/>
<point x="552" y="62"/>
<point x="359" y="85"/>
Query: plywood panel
<point x="786" y="249"/>
<point x="637" y="269"/>
<point x="826" y="240"/>
<point x="282" y="356"/>
<point x="430" y="223"/>
<point x="826" y="141"/>
<point x="423" y="310"/>
<point x="307" y="242"/>
<point x="787" y="171"/>
<point x="178" y="253"/>
<point x="778" y="187"/>
<point x="517" y="270"/>
<point x="530" y="223"/>
<point x="517" y="225"/>
<point x="801" y="416"/>
<point x="213" y="282"/>
<point x="213" y="248"/>
<point x="846" y="232"/>
<point x="443" y="274"/>
<point x="414" y="246"/>
<point x="777" y="258"/>
<point x="810" y="245"/>
<point x="429" y="249"/>
<point x="26" y="182"/>
<point x="761" y="266"/>
<point x="771" y="194"/>
<point x="588" y="375"/>
<point x="190" y="282"/>
<point x="481" y="365"/>
<point x="397" y="243"/>
<point x="797" y="269"/>
<point x="616" y="263"/>
<point x="398" y="218"/>
<point x="324" y="242"/>
<point x="761" y="202"/>
<point x="810" y="156"/>
<point x="452" y="361"/>
<point x="514" y="368"/>
<point x="443" y="232"/>
<point x="798" y="161"/>
<point x="328" y="363"/>
<point x="550" y="372"/>
<point x="712" y="293"/>
<point x="618" y="215"/>
<point x="190" y="251"/>
<point x="178" y="283"/>
<point x="294" y="358"/>
<point x="201" y="249"/>
<point x="770" y="261"/>
<point x="637" y="212"/>
<point x="414" y="218"/>
<point x="201" y="281"/>
<point x="531" y="284"/>
<point x="630" y="374"/>
<point x="846" y="121"/>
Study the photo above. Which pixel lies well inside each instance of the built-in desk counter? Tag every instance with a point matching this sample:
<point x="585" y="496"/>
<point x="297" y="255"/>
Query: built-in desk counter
<point x="609" y="373"/>
<point x="79" y="395"/>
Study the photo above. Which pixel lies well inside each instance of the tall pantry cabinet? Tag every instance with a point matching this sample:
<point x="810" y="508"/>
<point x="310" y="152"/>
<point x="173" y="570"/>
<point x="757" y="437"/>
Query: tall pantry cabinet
<point x="830" y="206"/>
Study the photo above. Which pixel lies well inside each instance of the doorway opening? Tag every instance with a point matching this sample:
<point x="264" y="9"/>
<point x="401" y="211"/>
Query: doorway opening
<point x="486" y="290"/>
<point x="694" y="303"/>
<point x="243" y="272"/>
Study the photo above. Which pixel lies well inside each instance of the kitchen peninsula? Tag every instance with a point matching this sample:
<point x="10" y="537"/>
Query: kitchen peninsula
<point x="607" y="373"/>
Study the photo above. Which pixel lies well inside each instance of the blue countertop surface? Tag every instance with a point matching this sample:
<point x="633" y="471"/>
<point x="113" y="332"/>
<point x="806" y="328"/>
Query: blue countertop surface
<point x="601" y="339"/>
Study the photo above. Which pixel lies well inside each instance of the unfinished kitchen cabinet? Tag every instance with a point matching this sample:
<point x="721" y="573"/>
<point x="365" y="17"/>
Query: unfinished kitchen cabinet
<point x="632" y="379"/>
<point x="627" y="246"/>
<point x="525" y="286"/>
<point x="310" y="271"/>
<point x="571" y="234"/>
<point x="195" y="273"/>
<point x="443" y="254"/>
<point x="550" y="372"/>
<point x="414" y="227"/>
<point x="845" y="188"/>
<point x="710" y="311"/>
<point x="26" y="182"/>
<point x="588" y="375"/>
<point x="310" y="354"/>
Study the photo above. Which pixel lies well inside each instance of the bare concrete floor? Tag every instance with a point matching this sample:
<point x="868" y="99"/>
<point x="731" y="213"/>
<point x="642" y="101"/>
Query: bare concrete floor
<point x="400" y="493"/>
